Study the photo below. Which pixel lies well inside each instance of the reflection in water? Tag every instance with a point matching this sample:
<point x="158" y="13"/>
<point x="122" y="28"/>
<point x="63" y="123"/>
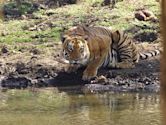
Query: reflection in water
<point x="50" y="107"/>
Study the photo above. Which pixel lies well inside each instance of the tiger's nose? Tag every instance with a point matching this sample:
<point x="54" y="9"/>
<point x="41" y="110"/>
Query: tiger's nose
<point x="74" y="62"/>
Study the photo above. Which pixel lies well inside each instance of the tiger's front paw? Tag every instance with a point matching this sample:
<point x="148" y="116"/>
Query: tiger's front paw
<point x="89" y="74"/>
<point x="72" y="68"/>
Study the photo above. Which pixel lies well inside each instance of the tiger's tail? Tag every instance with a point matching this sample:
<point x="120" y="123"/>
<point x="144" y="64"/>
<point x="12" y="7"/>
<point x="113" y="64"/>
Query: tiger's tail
<point x="150" y="53"/>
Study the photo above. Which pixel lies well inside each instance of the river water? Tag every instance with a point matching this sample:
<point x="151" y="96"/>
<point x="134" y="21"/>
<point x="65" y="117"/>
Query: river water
<point x="53" y="107"/>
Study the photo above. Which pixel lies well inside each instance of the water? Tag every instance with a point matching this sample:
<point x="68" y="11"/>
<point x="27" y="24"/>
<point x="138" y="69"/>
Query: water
<point x="52" y="107"/>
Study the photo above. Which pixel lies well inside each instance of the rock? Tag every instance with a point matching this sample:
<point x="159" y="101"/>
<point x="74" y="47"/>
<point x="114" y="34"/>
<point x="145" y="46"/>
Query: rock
<point x="146" y="36"/>
<point x="23" y="17"/>
<point x="16" y="82"/>
<point x="145" y="15"/>
<point x="140" y="16"/>
<point x="35" y="51"/>
<point x="4" y="33"/>
<point x="2" y="78"/>
<point x="21" y="68"/>
<point x="100" y="80"/>
<point x="4" y="50"/>
<point x="50" y="12"/>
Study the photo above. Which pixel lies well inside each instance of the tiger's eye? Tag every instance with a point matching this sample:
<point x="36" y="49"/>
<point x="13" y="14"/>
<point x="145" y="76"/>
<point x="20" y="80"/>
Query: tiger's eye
<point x="70" y="47"/>
<point x="66" y="54"/>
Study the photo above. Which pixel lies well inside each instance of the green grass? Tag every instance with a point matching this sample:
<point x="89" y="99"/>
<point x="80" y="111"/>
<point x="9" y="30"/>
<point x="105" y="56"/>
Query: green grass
<point x="120" y="17"/>
<point x="15" y="33"/>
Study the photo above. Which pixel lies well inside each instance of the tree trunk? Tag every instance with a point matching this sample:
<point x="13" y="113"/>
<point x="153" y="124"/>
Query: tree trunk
<point x="163" y="62"/>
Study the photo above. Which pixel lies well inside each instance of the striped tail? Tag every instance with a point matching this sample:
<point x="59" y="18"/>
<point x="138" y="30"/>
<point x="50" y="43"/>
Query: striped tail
<point x="151" y="53"/>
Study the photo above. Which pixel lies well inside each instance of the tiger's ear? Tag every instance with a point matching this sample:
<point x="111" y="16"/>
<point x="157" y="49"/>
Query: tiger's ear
<point x="63" y="37"/>
<point x="116" y="36"/>
<point x="85" y="37"/>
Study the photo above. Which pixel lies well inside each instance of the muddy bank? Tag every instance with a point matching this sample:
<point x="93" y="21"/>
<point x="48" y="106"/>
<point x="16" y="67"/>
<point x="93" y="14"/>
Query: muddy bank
<point x="34" y="68"/>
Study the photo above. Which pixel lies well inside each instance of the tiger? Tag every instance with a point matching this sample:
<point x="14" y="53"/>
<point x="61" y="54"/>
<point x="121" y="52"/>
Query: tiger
<point x="95" y="47"/>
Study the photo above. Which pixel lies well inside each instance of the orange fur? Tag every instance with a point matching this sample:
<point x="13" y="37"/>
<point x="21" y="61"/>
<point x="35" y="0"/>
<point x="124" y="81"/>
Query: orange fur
<point x="97" y="43"/>
<point x="98" y="48"/>
<point x="102" y="47"/>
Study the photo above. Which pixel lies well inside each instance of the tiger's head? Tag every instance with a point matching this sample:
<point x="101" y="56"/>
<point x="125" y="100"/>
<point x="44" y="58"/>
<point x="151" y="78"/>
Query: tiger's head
<point x="75" y="50"/>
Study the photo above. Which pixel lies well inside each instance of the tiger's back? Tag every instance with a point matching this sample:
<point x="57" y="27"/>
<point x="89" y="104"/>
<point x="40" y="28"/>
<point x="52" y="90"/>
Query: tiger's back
<point x="91" y="31"/>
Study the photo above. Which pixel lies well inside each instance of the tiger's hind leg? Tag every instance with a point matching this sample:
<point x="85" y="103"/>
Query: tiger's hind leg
<point x="125" y="64"/>
<point x="128" y="56"/>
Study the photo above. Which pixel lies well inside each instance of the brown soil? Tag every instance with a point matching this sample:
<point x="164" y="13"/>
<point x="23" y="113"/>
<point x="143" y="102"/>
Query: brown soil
<point x="35" y="69"/>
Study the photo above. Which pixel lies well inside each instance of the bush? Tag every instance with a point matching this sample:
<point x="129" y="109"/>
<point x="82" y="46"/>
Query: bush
<point x="12" y="9"/>
<point x="60" y="2"/>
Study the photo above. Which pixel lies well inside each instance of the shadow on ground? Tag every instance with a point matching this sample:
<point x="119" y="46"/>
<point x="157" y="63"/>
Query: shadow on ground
<point x="144" y="77"/>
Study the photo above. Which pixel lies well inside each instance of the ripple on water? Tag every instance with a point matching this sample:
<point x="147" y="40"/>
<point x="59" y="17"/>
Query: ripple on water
<point x="52" y="107"/>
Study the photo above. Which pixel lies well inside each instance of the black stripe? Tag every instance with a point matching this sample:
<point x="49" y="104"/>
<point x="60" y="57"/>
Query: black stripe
<point x="125" y="46"/>
<point x="146" y="56"/>
<point x="119" y="44"/>
<point x="125" y="56"/>
<point x="134" y="60"/>
<point x="156" y="52"/>
<point x="127" y="50"/>
<point x="105" y="63"/>
<point x="124" y="40"/>
<point x="108" y="58"/>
